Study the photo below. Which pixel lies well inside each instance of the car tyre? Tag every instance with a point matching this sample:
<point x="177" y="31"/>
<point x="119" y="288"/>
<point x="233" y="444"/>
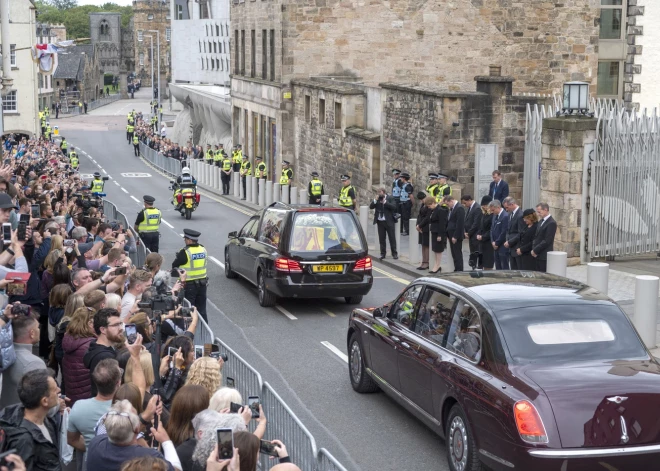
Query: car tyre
<point x="353" y="299"/>
<point x="229" y="273"/>
<point x="461" y="447"/>
<point x="266" y="298"/>
<point x="360" y="380"/>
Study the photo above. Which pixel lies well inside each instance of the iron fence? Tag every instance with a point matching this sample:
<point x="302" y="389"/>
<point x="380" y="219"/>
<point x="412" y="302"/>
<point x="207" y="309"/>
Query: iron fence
<point x="138" y="257"/>
<point x="170" y="166"/>
<point x="327" y="462"/>
<point x="247" y="380"/>
<point x="71" y="110"/>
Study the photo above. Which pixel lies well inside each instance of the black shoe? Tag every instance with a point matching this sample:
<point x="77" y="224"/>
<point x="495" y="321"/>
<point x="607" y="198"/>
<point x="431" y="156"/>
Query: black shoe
<point x="382" y="257"/>
<point x="438" y="270"/>
<point x="395" y="257"/>
<point x="422" y="268"/>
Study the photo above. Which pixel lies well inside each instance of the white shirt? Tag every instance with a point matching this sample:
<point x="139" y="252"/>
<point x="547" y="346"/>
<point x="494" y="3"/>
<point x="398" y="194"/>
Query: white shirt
<point x="127" y="303"/>
<point x="545" y="219"/>
<point x="163" y="132"/>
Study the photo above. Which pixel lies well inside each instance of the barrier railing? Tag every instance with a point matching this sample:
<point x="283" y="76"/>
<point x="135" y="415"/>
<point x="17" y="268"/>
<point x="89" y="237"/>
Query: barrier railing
<point x="139" y="256"/>
<point x="327" y="462"/>
<point x="247" y="380"/>
<point x="92" y="105"/>
<point x="170" y="166"/>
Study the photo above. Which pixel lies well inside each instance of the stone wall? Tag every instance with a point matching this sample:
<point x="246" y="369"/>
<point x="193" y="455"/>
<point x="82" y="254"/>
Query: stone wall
<point x="108" y="40"/>
<point x="151" y="15"/>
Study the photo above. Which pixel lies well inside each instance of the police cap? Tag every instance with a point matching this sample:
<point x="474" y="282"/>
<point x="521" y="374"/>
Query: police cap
<point x="433" y="176"/>
<point x="345" y="177"/>
<point x="285" y="162"/>
<point x="245" y="156"/>
<point x="97" y="174"/>
<point x="405" y="175"/>
<point x="442" y="175"/>
<point x="315" y="174"/>
<point x="148" y="199"/>
<point x="191" y="234"/>
<point x="258" y="158"/>
<point x="396" y="171"/>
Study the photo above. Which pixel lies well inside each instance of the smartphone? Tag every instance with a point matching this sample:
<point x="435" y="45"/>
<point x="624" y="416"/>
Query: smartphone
<point x="253" y="404"/>
<point x="131" y="333"/>
<point x="68" y="243"/>
<point x="199" y="351"/>
<point x="24" y="218"/>
<point x="21" y="233"/>
<point x="171" y="351"/>
<point x="225" y="443"/>
<point x="120" y="271"/>
<point x="234" y="408"/>
<point x="6" y="233"/>
<point x="157" y="403"/>
<point x="229" y="382"/>
<point x="36" y="211"/>
<point x="267" y="448"/>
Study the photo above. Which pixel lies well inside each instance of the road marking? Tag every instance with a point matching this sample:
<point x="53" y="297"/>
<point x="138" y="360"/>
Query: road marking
<point x="391" y="276"/>
<point x="124" y="190"/>
<point x="181" y="235"/>
<point x="117" y="183"/>
<point x="327" y="312"/>
<point x="216" y="261"/>
<point x="136" y="175"/>
<point x="92" y="158"/>
<point x="167" y="223"/>
<point x="335" y="350"/>
<point x="135" y="199"/>
<point x="104" y="171"/>
<point x="285" y="312"/>
<point x="99" y="166"/>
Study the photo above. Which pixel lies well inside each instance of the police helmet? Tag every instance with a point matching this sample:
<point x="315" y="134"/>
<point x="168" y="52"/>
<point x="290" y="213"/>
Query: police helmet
<point x="185" y="171"/>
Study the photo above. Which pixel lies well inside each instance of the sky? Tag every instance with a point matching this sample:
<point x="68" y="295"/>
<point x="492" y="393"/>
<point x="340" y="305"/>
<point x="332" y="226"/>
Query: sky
<point x="101" y="2"/>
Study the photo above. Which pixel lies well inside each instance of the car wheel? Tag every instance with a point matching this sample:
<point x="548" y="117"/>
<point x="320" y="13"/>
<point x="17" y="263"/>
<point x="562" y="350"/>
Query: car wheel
<point x="461" y="448"/>
<point x="360" y="380"/>
<point x="229" y="273"/>
<point x="266" y="298"/>
<point x="353" y="299"/>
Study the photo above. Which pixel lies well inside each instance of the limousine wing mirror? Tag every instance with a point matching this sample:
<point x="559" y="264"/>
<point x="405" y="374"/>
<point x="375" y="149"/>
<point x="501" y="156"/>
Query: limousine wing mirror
<point x="377" y="312"/>
<point x="232" y="235"/>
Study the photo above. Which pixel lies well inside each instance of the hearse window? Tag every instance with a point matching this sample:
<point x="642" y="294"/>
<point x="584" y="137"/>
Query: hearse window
<point x="325" y="232"/>
<point x="403" y="309"/>
<point x="272" y="227"/>
<point x="465" y="332"/>
<point x="247" y="228"/>
<point x="435" y="315"/>
<point x="252" y="233"/>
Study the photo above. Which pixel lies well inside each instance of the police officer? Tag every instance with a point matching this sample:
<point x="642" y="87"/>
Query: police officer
<point x="48" y="131"/>
<point x="246" y="171"/>
<point x="347" y="194"/>
<point x="64" y="146"/>
<point x="129" y="133"/>
<point x="237" y="158"/>
<point x="136" y="145"/>
<point x="97" y="183"/>
<point x="73" y="158"/>
<point x="315" y="189"/>
<point x="218" y="155"/>
<point x="406" y="199"/>
<point x="208" y="155"/>
<point x="261" y="171"/>
<point x="225" y="174"/>
<point x="396" y="188"/>
<point x="443" y="187"/>
<point x="148" y="223"/>
<point x="286" y="178"/>
<point x="192" y="259"/>
<point x="432" y="187"/>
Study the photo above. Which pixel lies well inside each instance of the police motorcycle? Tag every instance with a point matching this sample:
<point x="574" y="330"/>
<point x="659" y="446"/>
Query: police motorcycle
<point x="185" y="198"/>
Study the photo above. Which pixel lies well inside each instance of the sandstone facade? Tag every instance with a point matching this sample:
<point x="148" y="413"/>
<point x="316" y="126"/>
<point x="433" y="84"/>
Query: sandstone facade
<point x="151" y="15"/>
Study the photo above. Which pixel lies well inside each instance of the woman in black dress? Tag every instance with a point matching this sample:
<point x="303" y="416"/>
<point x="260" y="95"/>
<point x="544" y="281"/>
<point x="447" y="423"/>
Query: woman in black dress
<point x="438" y="226"/>
<point x="527" y="240"/>
<point x="423" y="221"/>
<point x="483" y="236"/>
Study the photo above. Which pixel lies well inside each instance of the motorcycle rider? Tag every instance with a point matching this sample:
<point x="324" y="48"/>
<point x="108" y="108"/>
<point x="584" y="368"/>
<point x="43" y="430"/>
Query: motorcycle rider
<point x="185" y="178"/>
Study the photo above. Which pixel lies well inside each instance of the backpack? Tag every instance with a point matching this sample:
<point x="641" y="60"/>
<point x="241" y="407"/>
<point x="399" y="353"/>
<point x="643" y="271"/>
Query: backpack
<point x="7" y="353"/>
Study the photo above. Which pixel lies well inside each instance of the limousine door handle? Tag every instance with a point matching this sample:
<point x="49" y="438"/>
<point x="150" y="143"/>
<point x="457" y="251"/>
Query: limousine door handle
<point x="405" y="345"/>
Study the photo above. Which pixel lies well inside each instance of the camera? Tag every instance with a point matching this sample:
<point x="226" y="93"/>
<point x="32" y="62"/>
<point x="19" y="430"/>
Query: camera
<point x="160" y="303"/>
<point x="219" y="355"/>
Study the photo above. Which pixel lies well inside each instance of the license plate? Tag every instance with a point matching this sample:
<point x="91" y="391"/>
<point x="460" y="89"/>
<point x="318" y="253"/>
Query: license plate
<point x="327" y="268"/>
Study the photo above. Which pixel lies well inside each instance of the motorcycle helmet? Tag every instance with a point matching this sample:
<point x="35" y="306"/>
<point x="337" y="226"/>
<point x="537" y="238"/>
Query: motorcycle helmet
<point x="185" y="171"/>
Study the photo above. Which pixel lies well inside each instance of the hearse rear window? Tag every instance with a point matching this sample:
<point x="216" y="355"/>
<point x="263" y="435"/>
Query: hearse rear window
<point x="567" y="332"/>
<point x="325" y="232"/>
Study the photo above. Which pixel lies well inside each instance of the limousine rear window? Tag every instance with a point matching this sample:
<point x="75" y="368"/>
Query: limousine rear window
<point x="568" y="332"/>
<point x="325" y="232"/>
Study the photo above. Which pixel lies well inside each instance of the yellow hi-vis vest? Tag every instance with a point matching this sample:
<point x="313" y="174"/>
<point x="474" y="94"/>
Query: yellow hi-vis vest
<point x="73" y="159"/>
<point x="441" y="192"/>
<point x="261" y="171"/>
<point x="195" y="266"/>
<point x="317" y="186"/>
<point x="130" y="128"/>
<point x="284" y="178"/>
<point x="151" y="222"/>
<point x="97" y="185"/>
<point x="64" y="145"/>
<point x="247" y="168"/>
<point x="344" y="199"/>
<point x="226" y="164"/>
<point x="136" y="141"/>
<point x="217" y="155"/>
<point x="237" y="157"/>
<point x="209" y="154"/>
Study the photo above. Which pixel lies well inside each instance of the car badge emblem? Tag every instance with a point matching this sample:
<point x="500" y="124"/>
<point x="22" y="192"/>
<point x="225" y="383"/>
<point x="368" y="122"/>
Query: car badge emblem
<point x="327" y="258"/>
<point x="617" y="399"/>
<point x="624" y="431"/>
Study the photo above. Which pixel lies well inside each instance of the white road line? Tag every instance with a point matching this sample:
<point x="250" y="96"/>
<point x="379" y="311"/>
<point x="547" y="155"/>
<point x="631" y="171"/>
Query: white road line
<point x="285" y="312"/>
<point x="167" y="223"/>
<point x="124" y="190"/>
<point x="91" y="158"/>
<point x="99" y="166"/>
<point x="104" y="171"/>
<point x="216" y="261"/>
<point x="335" y="350"/>
<point x="134" y="198"/>
<point x="116" y="183"/>
<point x="181" y="235"/>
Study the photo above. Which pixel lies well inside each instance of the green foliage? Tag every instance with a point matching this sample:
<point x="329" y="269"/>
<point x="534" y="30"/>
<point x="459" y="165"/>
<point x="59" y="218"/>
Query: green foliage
<point x="76" y="18"/>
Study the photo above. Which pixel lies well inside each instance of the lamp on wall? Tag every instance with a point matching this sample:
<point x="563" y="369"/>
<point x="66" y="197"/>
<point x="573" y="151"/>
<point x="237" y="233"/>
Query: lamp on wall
<point x="575" y="99"/>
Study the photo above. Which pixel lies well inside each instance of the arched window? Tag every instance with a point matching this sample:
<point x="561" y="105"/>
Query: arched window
<point x="104" y="28"/>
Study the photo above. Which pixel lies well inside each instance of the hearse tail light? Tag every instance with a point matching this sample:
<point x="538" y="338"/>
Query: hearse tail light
<point x="529" y="423"/>
<point x="287" y="265"/>
<point x="363" y="264"/>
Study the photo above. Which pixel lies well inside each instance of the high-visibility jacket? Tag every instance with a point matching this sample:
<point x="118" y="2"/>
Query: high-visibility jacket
<point x="97" y="185"/>
<point x="317" y="187"/>
<point x="432" y="190"/>
<point x="151" y="221"/>
<point x="441" y="192"/>
<point x="261" y="171"/>
<point x="217" y="155"/>
<point x="130" y="128"/>
<point x="246" y="168"/>
<point x="226" y="164"/>
<point x="48" y="131"/>
<point x="195" y="266"/>
<point x="396" y="189"/>
<point x="46" y="112"/>
<point x="344" y="198"/>
<point x="130" y="115"/>
<point x="284" y="178"/>
<point x="64" y="145"/>
<point x="136" y="141"/>
<point x="237" y="157"/>
<point x="41" y="116"/>
<point x="209" y="154"/>
<point x="131" y="121"/>
<point x="73" y="158"/>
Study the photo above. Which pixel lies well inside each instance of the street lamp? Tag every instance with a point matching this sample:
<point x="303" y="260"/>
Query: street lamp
<point x="152" y="63"/>
<point x="158" y="41"/>
<point x="576" y="98"/>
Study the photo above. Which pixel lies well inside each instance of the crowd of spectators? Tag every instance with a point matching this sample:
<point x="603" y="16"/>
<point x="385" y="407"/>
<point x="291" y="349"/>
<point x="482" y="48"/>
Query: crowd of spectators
<point x="78" y="392"/>
<point x="160" y="143"/>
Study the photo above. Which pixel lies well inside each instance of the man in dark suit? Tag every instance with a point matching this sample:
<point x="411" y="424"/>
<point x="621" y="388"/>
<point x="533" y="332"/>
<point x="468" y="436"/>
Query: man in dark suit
<point x="545" y="236"/>
<point x="499" y="189"/>
<point x="385" y="206"/>
<point x="455" y="230"/>
<point x="516" y="227"/>
<point x="472" y="221"/>
<point x="498" y="234"/>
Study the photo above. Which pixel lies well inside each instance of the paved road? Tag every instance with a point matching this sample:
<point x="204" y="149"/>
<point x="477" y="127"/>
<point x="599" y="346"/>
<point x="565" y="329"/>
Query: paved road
<point x="365" y="432"/>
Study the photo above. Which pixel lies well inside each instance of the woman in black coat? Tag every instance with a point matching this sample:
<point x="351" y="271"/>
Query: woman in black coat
<point x="527" y="240"/>
<point x="483" y="236"/>
<point x="438" y="226"/>
<point x="423" y="221"/>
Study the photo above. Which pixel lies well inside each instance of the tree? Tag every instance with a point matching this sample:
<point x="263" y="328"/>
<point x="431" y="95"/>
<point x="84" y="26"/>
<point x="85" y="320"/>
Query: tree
<point x="76" y="18"/>
<point x="63" y="4"/>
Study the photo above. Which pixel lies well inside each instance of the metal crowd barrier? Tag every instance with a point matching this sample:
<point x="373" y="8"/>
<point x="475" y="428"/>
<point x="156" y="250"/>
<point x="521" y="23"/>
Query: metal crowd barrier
<point x="138" y="257"/>
<point x="170" y="166"/>
<point x="92" y="105"/>
<point x="327" y="462"/>
<point x="247" y="380"/>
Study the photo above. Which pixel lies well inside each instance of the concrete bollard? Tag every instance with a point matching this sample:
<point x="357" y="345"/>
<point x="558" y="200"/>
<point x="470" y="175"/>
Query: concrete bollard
<point x="335" y="202"/>
<point x="236" y="185"/>
<point x="397" y="235"/>
<point x="294" y="195"/>
<point x="364" y="220"/>
<point x="248" y="189"/>
<point x="254" y="191"/>
<point x="303" y="199"/>
<point x="277" y="192"/>
<point x="214" y="177"/>
<point x="261" y="185"/>
<point x="205" y="174"/>
<point x="285" y="193"/>
<point x="325" y="199"/>
<point x="598" y="274"/>
<point x="413" y="246"/>
<point x="269" y="193"/>
<point x="557" y="263"/>
<point x="646" y="308"/>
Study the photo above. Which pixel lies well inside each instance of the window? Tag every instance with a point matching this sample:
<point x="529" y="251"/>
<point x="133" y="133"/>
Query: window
<point x="236" y="63"/>
<point x="608" y="78"/>
<point x="207" y="63"/>
<point x="12" y="54"/>
<point x="337" y="115"/>
<point x="215" y="47"/>
<point x="150" y="16"/>
<point x="140" y="35"/>
<point x="272" y="54"/>
<point x="403" y="309"/>
<point x="217" y="30"/>
<point x="253" y="53"/>
<point x="567" y="332"/>
<point x="321" y="111"/>
<point x="203" y="10"/>
<point x="200" y="47"/>
<point x="40" y="80"/>
<point x="327" y="233"/>
<point x="104" y="28"/>
<point x="435" y="313"/>
<point x="464" y="336"/>
<point x="202" y="63"/>
<point x="142" y="58"/>
<point x="168" y="34"/>
<point x="207" y="29"/>
<point x="179" y="12"/>
<point x="308" y="106"/>
<point x="222" y="64"/>
<point x="249" y="230"/>
<point x="212" y="64"/>
<point x="272" y="227"/>
<point x="243" y="52"/>
<point x="611" y="19"/>
<point x="9" y="102"/>
<point x="264" y="49"/>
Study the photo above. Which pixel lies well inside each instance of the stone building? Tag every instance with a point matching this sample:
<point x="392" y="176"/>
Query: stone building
<point x="361" y="87"/>
<point x="152" y="15"/>
<point x="78" y="77"/>
<point x="105" y="31"/>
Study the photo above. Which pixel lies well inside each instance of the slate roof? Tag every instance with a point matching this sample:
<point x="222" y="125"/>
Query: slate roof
<point x="71" y="63"/>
